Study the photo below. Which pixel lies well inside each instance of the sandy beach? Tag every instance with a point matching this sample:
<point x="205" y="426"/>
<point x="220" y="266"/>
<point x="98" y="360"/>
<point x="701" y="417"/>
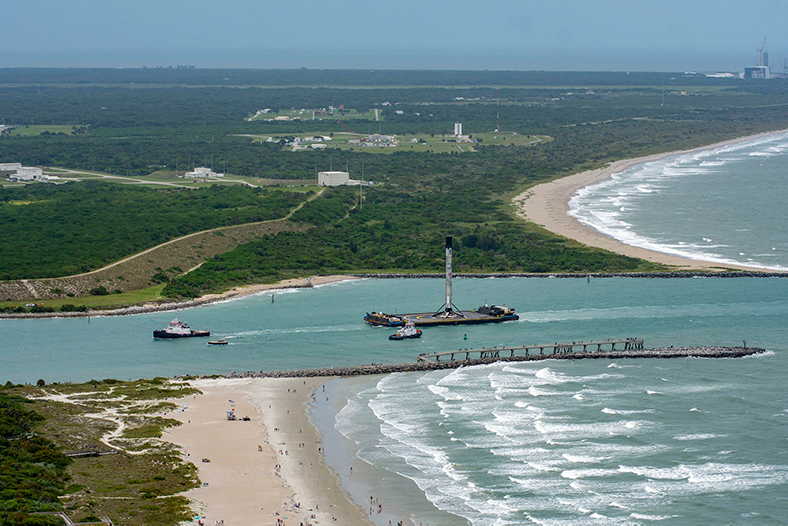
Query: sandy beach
<point x="250" y="290"/>
<point x="262" y="470"/>
<point x="547" y="205"/>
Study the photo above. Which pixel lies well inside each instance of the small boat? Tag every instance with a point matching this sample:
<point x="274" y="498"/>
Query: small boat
<point x="217" y="342"/>
<point x="408" y="331"/>
<point x="178" y="329"/>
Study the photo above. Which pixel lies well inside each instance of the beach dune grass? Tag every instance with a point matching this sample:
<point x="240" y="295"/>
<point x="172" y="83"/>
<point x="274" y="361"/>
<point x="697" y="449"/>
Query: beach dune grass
<point x="140" y="488"/>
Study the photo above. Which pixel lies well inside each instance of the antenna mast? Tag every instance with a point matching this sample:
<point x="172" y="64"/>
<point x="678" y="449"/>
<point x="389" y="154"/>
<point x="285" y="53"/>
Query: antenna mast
<point x="497" y="111"/>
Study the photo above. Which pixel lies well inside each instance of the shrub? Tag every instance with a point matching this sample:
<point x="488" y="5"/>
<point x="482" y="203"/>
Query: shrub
<point x="160" y="277"/>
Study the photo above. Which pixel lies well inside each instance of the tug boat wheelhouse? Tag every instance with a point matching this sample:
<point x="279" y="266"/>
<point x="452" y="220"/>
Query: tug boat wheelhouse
<point x="408" y="331"/>
<point x="178" y="329"/>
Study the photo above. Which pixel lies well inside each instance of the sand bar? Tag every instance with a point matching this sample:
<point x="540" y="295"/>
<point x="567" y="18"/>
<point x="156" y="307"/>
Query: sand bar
<point x="265" y="469"/>
<point x="547" y="205"/>
<point x="250" y="290"/>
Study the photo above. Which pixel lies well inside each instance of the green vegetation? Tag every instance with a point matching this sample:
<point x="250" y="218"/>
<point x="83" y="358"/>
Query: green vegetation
<point x="32" y="470"/>
<point x="422" y="193"/>
<point x="139" y="488"/>
<point x="51" y="129"/>
<point x="68" y="304"/>
<point x="398" y="230"/>
<point x="76" y="228"/>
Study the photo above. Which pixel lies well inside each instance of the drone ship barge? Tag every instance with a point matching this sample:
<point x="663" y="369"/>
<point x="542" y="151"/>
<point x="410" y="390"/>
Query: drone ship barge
<point x="448" y="314"/>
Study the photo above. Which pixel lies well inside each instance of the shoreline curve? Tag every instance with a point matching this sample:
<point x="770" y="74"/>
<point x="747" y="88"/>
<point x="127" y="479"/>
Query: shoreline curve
<point x="547" y="205"/>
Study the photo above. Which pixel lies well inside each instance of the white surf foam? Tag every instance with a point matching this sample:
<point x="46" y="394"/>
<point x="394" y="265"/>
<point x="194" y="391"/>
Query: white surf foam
<point x="600" y="206"/>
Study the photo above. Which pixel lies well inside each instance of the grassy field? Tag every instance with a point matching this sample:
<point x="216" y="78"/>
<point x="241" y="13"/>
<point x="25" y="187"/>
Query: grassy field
<point x="424" y="142"/>
<point x="306" y="115"/>
<point x="93" y="302"/>
<point x="35" y="129"/>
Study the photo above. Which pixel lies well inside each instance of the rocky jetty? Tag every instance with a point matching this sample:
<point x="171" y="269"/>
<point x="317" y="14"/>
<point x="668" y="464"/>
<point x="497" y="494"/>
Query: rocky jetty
<point x="661" y="352"/>
<point x="169" y="305"/>
<point x="583" y="275"/>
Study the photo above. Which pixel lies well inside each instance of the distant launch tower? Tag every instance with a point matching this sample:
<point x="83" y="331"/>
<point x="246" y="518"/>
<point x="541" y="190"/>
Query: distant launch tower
<point x="761" y="68"/>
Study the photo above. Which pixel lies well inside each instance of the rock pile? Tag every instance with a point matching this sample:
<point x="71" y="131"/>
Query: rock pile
<point x="661" y="352"/>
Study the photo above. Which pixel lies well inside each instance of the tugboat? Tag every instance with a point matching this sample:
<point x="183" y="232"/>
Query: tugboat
<point x="178" y="329"/>
<point x="408" y="331"/>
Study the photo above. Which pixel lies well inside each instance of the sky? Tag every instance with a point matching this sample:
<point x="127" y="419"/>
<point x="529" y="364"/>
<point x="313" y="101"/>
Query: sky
<point x="601" y="35"/>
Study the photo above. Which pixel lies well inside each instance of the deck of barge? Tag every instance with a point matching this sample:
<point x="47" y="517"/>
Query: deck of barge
<point x="433" y="319"/>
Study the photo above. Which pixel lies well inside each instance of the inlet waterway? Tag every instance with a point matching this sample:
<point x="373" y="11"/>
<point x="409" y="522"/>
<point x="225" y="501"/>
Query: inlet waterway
<point x="632" y="441"/>
<point x="323" y="326"/>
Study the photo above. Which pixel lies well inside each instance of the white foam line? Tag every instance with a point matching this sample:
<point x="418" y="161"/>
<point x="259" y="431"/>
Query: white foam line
<point x="637" y="181"/>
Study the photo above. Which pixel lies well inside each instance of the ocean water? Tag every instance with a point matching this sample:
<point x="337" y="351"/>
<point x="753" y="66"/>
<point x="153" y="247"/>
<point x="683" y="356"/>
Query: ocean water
<point x="639" y="441"/>
<point x="725" y="204"/>
<point x="586" y="442"/>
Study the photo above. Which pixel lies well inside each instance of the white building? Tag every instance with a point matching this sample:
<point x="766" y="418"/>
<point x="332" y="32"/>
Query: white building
<point x="333" y="178"/>
<point x="756" y="72"/>
<point x="28" y="173"/>
<point x="457" y="129"/>
<point x="10" y="167"/>
<point x="202" y="172"/>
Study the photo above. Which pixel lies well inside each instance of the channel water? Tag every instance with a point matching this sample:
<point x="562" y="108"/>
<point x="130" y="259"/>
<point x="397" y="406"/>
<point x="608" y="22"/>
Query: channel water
<point x="675" y="441"/>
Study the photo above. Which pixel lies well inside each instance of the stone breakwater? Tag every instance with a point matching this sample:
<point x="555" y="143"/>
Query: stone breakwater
<point x="176" y="305"/>
<point x="360" y="370"/>
<point x="658" y="275"/>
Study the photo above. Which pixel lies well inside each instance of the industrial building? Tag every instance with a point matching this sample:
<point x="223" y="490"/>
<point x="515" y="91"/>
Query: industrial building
<point x="10" y="167"/>
<point x="29" y="174"/>
<point x="338" y="179"/>
<point x="756" y="72"/>
<point x="333" y="178"/>
<point x="761" y="68"/>
<point x="457" y="129"/>
<point x="202" y="172"/>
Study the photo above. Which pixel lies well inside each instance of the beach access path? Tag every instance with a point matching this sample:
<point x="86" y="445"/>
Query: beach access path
<point x="264" y="469"/>
<point x="547" y="205"/>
